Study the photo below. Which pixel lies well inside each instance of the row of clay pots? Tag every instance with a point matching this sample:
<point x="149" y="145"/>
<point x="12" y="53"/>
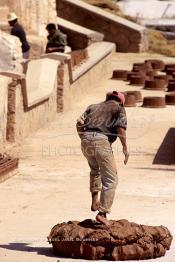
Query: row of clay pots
<point x="148" y="70"/>
<point x="133" y="97"/>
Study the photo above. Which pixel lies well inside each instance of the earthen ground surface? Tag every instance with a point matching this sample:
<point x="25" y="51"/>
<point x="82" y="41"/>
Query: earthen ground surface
<point x="53" y="183"/>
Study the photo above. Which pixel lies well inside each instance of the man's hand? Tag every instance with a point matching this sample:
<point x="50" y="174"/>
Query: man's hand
<point x="126" y="154"/>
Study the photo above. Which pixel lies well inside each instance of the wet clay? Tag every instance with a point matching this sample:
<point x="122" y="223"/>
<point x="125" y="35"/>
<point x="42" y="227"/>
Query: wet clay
<point x="123" y="240"/>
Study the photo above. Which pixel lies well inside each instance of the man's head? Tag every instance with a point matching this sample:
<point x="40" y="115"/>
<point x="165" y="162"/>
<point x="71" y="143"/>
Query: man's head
<point x="12" y="19"/>
<point x="117" y="96"/>
<point x="51" y="28"/>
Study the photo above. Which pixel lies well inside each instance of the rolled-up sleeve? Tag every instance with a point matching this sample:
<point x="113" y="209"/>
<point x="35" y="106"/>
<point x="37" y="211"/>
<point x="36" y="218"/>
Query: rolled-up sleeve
<point x="120" y="119"/>
<point x="82" y="118"/>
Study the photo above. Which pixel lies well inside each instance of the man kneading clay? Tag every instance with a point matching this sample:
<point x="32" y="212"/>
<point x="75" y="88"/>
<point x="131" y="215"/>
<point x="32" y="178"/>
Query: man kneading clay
<point x="98" y="128"/>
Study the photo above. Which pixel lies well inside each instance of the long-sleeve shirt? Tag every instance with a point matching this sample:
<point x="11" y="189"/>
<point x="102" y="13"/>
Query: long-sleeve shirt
<point x="17" y="30"/>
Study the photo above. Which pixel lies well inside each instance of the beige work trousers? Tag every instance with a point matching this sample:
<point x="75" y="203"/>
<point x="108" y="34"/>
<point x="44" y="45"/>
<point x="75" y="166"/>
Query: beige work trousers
<point x="103" y="172"/>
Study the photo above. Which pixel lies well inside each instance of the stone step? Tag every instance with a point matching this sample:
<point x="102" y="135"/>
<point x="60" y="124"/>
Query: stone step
<point x="79" y="37"/>
<point x="96" y="52"/>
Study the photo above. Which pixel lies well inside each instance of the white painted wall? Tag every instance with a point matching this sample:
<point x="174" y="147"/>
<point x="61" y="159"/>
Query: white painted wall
<point x="148" y="9"/>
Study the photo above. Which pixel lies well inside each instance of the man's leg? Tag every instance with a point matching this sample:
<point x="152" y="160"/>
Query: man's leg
<point x="95" y="182"/>
<point x="95" y="177"/>
<point x="109" y="178"/>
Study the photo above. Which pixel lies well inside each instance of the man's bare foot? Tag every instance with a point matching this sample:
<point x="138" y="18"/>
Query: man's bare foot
<point x="101" y="217"/>
<point x="95" y="203"/>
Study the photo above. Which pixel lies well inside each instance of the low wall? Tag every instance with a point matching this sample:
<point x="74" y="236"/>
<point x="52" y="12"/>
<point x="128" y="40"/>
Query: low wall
<point x="50" y="85"/>
<point x="89" y="75"/>
<point x="128" y="36"/>
<point x="22" y="123"/>
<point x="32" y="98"/>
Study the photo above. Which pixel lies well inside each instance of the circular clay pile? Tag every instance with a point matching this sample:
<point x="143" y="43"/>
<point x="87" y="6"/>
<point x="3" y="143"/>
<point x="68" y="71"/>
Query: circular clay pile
<point x="121" y="241"/>
<point x="157" y="65"/>
<point x="154" y="102"/>
<point x="137" y="80"/>
<point x="137" y="95"/>
<point x="170" y="99"/>
<point x="156" y="84"/>
<point x="120" y="74"/>
<point x="130" y="100"/>
<point x="171" y="86"/>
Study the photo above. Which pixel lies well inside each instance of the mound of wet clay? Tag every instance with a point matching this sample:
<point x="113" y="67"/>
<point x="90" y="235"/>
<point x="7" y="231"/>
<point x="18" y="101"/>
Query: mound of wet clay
<point x="123" y="240"/>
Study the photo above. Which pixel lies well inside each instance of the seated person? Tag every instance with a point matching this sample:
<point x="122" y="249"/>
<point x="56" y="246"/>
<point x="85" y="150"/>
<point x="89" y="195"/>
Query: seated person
<point x="56" y="39"/>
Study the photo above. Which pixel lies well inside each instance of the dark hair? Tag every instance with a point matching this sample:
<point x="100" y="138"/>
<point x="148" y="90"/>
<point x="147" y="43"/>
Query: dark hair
<point x="51" y="26"/>
<point x="113" y="96"/>
<point x="13" y="22"/>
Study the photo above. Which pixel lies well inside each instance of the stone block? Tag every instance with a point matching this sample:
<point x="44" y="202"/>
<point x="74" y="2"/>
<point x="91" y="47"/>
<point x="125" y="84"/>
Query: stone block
<point x="40" y="87"/>
<point x="10" y="53"/>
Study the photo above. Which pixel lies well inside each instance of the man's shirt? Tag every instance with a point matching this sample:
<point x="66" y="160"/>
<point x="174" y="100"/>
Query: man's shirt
<point x="57" y="40"/>
<point x="105" y="118"/>
<point x="18" y="31"/>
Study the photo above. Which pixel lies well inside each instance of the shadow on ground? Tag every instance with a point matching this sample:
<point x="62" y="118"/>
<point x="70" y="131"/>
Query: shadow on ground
<point x="24" y="247"/>
<point x="166" y="152"/>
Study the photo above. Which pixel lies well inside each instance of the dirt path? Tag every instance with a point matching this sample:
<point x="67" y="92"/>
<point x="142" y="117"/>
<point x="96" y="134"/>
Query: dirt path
<point x="53" y="185"/>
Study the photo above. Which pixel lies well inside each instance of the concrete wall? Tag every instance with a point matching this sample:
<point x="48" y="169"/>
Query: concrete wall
<point x="91" y="73"/>
<point x="22" y="123"/>
<point x="10" y="53"/>
<point x="4" y="81"/>
<point x="32" y="98"/>
<point x="128" y="36"/>
<point x="33" y="14"/>
<point x="50" y="85"/>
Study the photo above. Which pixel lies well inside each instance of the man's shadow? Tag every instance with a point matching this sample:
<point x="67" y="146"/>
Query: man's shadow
<point x="24" y="247"/>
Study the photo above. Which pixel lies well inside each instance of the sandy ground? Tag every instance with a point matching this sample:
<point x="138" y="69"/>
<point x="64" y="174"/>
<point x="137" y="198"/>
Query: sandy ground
<point x="53" y="183"/>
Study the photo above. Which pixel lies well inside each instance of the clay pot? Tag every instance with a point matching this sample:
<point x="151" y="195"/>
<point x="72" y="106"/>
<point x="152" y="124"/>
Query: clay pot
<point x="156" y="84"/>
<point x="169" y="65"/>
<point x="148" y="66"/>
<point x="120" y="74"/>
<point x="171" y="86"/>
<point x="170" y="99"/>
<point x="170" y="70"/>
<point x="157" y="65"/>
<point x="137" y="80"/>
<point x="154" y="102"/>
<point x="136" y="73"/>
<point x="151" y="75"/>
<point x="137" y="95"/>
<point x="130" y="100"/>
<point x="164" y="77"/>
<point x="139" y="67"/>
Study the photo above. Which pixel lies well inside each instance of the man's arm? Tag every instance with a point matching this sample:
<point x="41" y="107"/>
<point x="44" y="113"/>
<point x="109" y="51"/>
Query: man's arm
<point x="80" y="129"/>
<point x="122" y="136"/>
<point x="80" y="125"/>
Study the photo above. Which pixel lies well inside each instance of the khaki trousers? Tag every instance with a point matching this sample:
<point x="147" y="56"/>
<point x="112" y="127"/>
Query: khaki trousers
<point x="103" y="172"/>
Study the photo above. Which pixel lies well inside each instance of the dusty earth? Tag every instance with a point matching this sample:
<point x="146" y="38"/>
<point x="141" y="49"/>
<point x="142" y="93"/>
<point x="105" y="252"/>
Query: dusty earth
<point x="52" y="186"/>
